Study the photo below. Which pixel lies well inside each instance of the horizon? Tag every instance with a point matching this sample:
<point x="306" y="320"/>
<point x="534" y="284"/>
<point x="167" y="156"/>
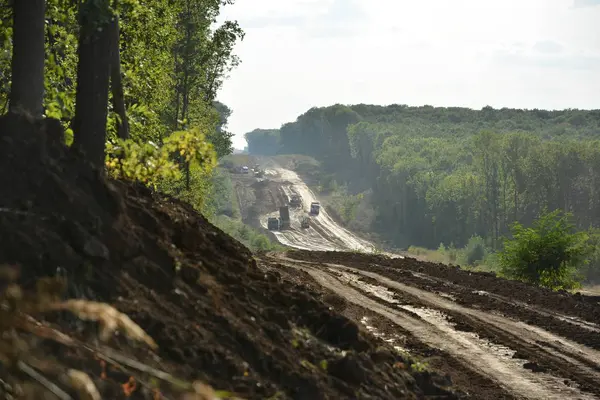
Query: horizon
<point x="419" y="106"/>
<point x="524" y="54"/>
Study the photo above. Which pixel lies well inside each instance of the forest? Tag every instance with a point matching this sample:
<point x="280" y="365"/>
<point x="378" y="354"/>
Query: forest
<point x="444" y="176"/>
<point x="132" y="82"/>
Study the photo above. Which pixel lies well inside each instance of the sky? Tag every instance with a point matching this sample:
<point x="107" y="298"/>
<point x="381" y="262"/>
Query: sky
<point x="299" y="54"/>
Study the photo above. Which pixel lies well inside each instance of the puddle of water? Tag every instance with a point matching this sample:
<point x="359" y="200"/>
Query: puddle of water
<point x="393" y="341"/>
<point x="446" y="295"/>
<point x="376" y="290"/>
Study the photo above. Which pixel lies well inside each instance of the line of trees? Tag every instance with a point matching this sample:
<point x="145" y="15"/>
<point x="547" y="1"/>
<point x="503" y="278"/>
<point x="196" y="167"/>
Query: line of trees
<point x="447" y="174"/>
<point x="110" y="69"/>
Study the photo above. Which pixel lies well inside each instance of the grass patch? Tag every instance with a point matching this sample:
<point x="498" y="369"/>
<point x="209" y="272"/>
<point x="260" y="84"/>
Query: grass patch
<point x="475" y="256"/>
<point x="245" y="234"/>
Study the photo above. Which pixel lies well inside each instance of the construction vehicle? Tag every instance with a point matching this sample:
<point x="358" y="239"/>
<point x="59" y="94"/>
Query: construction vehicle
<point x="296" y="201"/>
<point x="284" y="217"/>
<point x="315" y="208"/>
<point x="305" y="222"/>
<point x="273" y="223"/>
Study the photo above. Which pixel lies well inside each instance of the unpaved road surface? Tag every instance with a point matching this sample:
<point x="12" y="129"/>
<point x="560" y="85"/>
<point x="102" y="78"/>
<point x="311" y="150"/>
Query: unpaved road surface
<point x="493" y="344"/>
<point x="324" y="233"/>
<point x="260" y="198"/>
<point x="495" y="339"/>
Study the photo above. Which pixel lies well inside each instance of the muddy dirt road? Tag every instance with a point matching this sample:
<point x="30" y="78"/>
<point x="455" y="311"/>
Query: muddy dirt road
<point x="260" y="198"/>
<point x="324" y="233"/>
<point x="494" y="338"/>
<point x="491" y="343"/>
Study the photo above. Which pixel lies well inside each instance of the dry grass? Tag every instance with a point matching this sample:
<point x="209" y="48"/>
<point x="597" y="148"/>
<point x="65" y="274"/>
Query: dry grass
<point x="22" y="329"/>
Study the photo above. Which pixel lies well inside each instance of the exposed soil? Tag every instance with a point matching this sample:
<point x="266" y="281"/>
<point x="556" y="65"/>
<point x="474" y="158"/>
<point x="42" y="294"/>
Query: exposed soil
<point x="555" y="334"/>
<point x="215" y="314"/>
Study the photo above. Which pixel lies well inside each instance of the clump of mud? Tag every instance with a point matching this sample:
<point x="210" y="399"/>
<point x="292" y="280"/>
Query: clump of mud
<point x="197" y="292"/>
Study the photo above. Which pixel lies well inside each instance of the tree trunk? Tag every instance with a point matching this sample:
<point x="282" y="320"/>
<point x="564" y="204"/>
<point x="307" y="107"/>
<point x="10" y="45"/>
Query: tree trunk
<point x="116" y="82"/>
<point x="91" y="100"/>
<point x="27" y="88"/>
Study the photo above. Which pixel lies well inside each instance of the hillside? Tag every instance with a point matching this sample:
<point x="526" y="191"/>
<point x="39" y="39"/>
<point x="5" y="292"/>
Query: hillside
<point x="215" y="315"/>
<point x="434" y="176"/>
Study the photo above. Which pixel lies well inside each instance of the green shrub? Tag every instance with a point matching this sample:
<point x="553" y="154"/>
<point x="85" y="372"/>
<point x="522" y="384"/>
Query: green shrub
<point x="248" y="236"/>
<point x="475" y="251"/>
<point x="547" y="254"/>
<point x="151" y="164"/>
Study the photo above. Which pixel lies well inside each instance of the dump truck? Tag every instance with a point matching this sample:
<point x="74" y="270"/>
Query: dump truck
<point x="315" y="208"/>
<point x="305" y="222"/>
<point x="284" y="217"/>
<point x="273" y="223"/>
<point x="296" y="201"/>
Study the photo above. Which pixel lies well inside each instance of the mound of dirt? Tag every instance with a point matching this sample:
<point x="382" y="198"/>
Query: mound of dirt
<point x="215" y="315"/>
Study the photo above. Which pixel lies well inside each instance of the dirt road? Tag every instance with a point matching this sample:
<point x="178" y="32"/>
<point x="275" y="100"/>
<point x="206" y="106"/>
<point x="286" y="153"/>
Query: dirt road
<point x="493" y="338"/>
<point x="489" y="343"/>
<point x="276" y="189"/>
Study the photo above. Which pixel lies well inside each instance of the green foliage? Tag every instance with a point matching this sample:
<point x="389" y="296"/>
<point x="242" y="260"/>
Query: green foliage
<point x="151" y="164"/>
<point x="151" y="63"/>
<point x="440" y="174"/>
<point x="248" y="236"/>
<point x="591" y="271"/>
<point x="546" y="254"/>
<point x="475" y="251"/>
<point x="263" y="141"/>
<point x="222" y="200"/>
<point x="146" y="162"/>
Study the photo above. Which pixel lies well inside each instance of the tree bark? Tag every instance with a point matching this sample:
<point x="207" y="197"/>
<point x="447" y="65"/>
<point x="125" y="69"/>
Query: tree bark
<point x="27" y="88"/>
<point x="91" y="100"/>
<point x="116" y="82"/>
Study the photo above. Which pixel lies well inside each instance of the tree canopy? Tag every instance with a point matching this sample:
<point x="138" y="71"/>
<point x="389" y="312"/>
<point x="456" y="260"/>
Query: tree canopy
<point x="137" y="70"/>
<point x="445" y="174"/>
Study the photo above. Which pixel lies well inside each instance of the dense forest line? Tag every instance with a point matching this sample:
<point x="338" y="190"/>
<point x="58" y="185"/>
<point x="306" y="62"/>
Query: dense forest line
<point x="444" y="175"/>
<point x="134" y="83"/>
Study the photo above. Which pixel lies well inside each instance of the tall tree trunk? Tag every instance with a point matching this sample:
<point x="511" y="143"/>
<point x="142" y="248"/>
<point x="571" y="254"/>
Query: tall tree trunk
<point x="184" y="115"/>
<point x="27" y="88"/>
<point x="116" y="82"/>
<point x="91" y="100"/>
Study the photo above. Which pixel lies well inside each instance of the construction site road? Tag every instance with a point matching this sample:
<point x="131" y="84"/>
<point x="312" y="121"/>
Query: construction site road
<point x="490" y="344"/>
<point x="492" y="337"/>
<point x="276" y="189"/>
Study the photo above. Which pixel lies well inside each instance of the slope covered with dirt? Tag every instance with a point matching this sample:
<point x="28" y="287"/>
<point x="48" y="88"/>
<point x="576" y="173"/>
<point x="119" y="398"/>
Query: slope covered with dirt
<point x="214" y="313"/>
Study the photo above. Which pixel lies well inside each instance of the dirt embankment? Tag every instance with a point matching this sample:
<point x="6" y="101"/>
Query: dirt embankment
<point x="214" y="313"/>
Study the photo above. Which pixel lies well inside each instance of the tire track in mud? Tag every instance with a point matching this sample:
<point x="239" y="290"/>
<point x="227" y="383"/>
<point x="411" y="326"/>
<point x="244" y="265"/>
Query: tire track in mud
<point x="579" y="330"/>
<point x="533" y="343"/>
<point x="426" y="318"/>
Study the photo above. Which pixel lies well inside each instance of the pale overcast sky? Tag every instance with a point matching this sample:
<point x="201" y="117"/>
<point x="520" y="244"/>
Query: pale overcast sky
<point x="511" y="53"/>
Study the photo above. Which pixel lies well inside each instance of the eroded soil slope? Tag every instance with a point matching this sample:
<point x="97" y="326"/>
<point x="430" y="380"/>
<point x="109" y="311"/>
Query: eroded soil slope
<point x="215" y="314"/>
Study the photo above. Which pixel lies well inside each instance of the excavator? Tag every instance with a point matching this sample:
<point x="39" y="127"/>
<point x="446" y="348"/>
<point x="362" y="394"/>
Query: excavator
<point x="296" y="201"/>
<point x="305" y="222"/>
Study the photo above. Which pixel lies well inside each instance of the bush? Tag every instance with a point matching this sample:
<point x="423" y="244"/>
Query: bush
<point x="248" y="236"/>
<point x="591" y="271"/>
<point x="547" y="254"/>
<point x="151" y="164"/>
<point x="475" y="251"/>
